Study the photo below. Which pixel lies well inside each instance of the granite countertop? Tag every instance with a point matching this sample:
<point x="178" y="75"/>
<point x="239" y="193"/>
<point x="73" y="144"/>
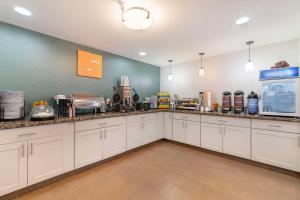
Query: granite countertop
<point x="28" y="123"/>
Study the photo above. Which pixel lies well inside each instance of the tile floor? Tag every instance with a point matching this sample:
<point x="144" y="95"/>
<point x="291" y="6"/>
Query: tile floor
<point x="170" y="171"/>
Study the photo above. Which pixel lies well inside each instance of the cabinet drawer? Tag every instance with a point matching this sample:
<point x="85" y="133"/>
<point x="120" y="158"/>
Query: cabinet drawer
<point x="139" y="118"/>
<point x="292" y="127"/>
<point x="98" y="123"/>
<point x="228" y="121"/>
<point x="188" y="117"/>
<point x="22" y="134"/>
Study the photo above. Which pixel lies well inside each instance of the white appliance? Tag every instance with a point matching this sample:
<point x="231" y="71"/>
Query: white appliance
<point x="280" y="92"/>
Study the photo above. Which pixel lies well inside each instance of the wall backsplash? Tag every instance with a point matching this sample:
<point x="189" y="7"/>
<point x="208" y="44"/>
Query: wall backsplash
<point x="43" y="66"/>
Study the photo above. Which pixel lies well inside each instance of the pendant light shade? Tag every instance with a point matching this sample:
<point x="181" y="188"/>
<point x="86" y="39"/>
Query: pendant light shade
<point x="170" y="76"/>
<point x="249" y="65"/>
<point x="201" y="71"/>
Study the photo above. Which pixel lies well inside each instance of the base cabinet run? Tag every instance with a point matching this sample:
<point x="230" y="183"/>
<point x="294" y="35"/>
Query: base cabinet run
<point x="34" y="154"/>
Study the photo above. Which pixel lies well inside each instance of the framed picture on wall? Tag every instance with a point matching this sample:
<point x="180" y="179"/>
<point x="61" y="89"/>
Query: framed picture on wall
<point x="89" y="64"/>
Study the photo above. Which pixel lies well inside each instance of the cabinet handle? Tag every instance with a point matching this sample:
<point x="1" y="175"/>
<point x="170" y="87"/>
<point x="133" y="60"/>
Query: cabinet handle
<point x="104" y="133"/>
<point x="185" y="124"/>
<point x="100" y="134"/>
<point x="31" y="148"/>
<point x="224" y="130"/>
<point x="27" y="134"/>
<point x="224" y="121"/>
<point x="220" y="131"/>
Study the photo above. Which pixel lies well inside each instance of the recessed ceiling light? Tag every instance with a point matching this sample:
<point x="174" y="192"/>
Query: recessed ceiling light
<point x="22" y="11"/>
<point x="142" y="53"/>
<point x="242" y="20"/>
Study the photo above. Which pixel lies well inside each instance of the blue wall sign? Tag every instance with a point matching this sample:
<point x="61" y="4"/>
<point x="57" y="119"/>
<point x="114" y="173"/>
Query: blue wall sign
<point x="280" y="73"/>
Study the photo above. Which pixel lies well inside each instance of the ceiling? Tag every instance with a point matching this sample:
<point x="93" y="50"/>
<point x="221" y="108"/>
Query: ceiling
<point x="180" y="30"/>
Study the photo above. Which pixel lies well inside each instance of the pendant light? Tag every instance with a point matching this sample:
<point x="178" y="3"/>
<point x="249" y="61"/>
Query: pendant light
<point x="249" y="65"/>
<point x="201" y="71"/>
<point x="170" y="76"/>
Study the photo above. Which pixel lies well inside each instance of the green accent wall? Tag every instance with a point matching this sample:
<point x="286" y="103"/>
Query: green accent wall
<point x="43" y="66"/>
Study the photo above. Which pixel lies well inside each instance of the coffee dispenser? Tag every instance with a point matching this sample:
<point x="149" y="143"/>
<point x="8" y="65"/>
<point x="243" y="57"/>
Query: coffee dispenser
<point x="226" y="103"/>
<point x="252" y="103"/>
<point x="238" y="102"/>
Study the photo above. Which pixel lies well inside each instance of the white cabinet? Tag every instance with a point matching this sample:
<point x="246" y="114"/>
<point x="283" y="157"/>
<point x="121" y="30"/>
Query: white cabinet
<point x="13" y="167"/>
<point x="34" y="154"/>
<point x="88" y="147"/>
<point x="276" y="148"/>
<point x="45" y="158"/>
<point x="150" y="131"/>
<point x="186" y="131"/>
<point x="143" y="129"/>
<point x="134" y="135"/>
<point x="179" y="132"/>
<point x="114" y="140"/>
<point x="233" y="140"/>
<point x="192" y="133"/>
<point x="236" y="141"/>
<point x="159" y="134"/>
<point x="211" y="137"/>
<point x="108" y="140"/>
<point x="168" y="124"/>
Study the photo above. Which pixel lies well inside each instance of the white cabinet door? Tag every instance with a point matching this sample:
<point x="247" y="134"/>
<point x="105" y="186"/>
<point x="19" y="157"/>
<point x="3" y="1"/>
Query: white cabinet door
<point x="134" y="135"/>
<point x="114" y="140"/>
<point x="45" y="158"/>
<point x="160" y="126"/>
<point x="13" y="167"/>
<point x="276" y="148"/>
<point x="179" y="131"/>
<point x="168" y="126"/>
<point x="193" y="133"/>
<point x="211" y="137"/>
<point x="149" y="131"/>
<point x="236" y="141"/>
<point x="88" y="148"/>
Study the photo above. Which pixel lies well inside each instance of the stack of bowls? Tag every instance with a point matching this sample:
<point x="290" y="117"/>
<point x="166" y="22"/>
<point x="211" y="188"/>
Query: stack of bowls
<point x="11" y="105"/>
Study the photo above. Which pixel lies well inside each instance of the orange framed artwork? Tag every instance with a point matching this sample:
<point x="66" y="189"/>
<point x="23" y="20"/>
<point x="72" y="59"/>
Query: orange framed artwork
<point x="89" y="64"/>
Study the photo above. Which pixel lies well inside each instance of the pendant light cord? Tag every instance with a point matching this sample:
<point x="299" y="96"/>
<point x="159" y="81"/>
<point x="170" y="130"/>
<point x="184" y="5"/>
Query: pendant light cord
<point x="249" y="53"/>
<point x="249" y="49"/>
<point x="170" y="61"/>
<point x="201" y="62"/>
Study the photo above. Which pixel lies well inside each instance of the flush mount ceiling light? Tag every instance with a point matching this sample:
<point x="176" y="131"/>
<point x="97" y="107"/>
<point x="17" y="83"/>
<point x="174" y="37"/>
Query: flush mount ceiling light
<point x="249" y="66"/>
<point x="201" y="71"/>
<point x="22" y="11"/>
<point x="170" y="76"/>
<point x="136" y="18"/>
<point x="142" y="53"/>
<point x="242" y="20"/>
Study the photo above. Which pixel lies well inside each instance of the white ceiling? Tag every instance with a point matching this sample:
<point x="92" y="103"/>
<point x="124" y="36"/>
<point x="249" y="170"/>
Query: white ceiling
<point x="181" y="28"/>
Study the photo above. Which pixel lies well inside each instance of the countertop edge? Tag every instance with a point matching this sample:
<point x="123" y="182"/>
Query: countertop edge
<point x="27" y="123"/>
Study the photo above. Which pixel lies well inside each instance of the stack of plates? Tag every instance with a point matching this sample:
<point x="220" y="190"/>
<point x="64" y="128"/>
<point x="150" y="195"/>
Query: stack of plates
<point x="11" y="104"/>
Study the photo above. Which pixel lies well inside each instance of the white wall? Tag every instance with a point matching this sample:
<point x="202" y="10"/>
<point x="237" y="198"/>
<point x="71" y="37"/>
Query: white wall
<point x="227" y="72"/>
